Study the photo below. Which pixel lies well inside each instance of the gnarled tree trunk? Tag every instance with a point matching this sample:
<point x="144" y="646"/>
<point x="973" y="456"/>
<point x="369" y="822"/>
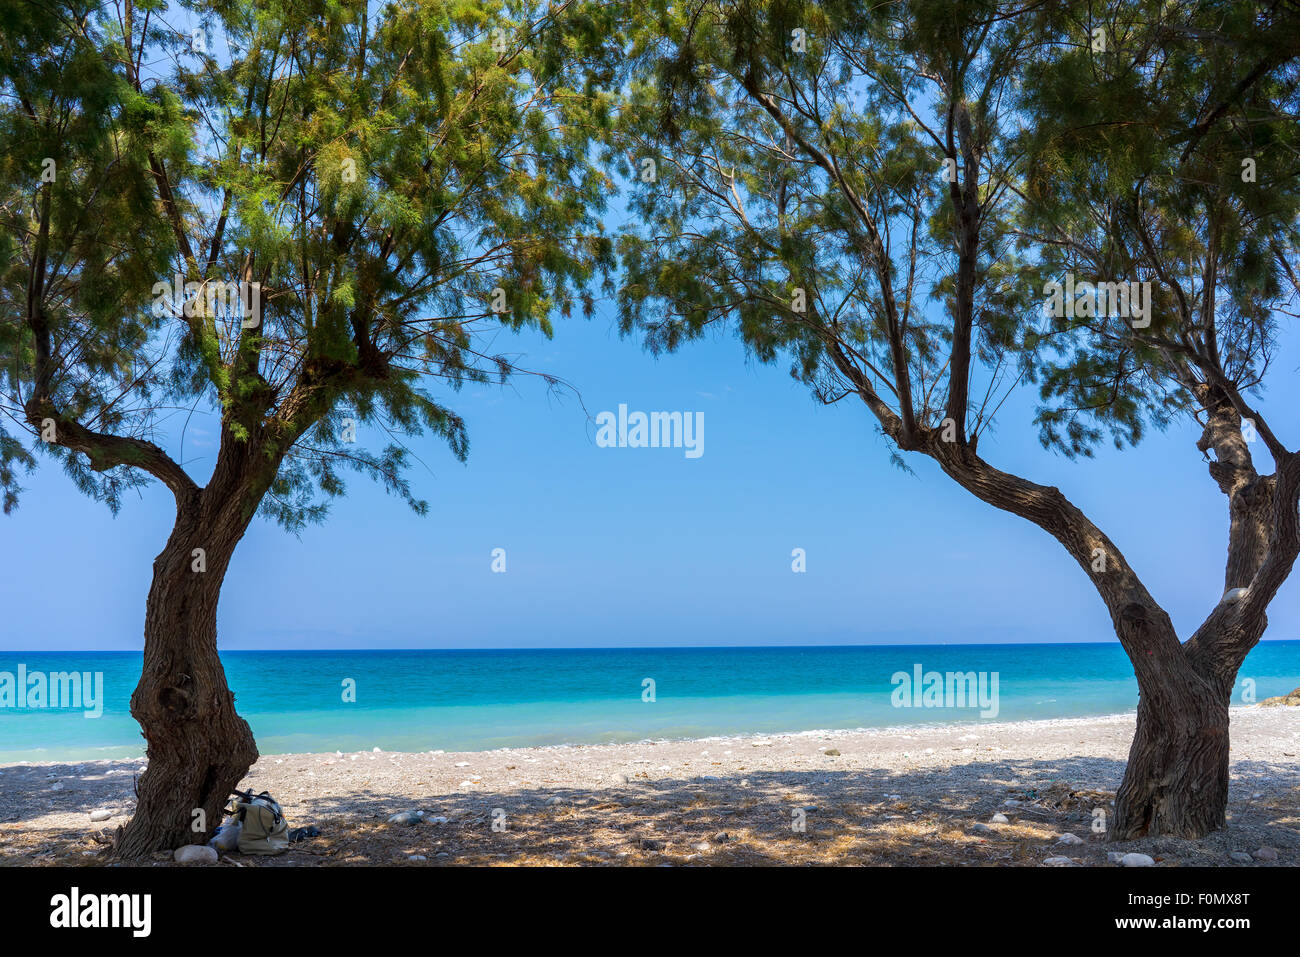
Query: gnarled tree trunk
<point x="1176" y="781"/>
<point x="198" y="747"/>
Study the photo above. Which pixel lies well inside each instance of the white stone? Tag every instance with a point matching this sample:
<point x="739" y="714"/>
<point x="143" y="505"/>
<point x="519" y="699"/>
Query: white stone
<point x="102" y="814"/>
<point x="1058" y="862"/>
<point x="1069" y="839"/>
<point x="406" y="817"/>
<point x="1137" y="860"/>
<point x="195" y="854"/>
<point x="1000" y="819"/>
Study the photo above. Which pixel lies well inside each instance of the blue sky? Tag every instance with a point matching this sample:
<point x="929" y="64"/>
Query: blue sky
<point x="634" y="547"/>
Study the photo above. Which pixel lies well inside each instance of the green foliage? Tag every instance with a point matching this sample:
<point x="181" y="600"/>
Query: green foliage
<point x="379" y="171"/>
<point x="819" y="169"/>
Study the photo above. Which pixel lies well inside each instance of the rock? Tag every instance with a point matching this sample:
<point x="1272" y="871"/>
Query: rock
<point x="646" y="844"/>
<point x="1058" y="862"/>
<point x="416" y="857"/>
<point x="1291" y="700"/>
<point x="1012" y="802"/>
<point x="195" y="854"/>
<point x="1000" y="819"/>
<point x="376" y="751"/>
<point x="1137" y="860"/>
<point x="1115" y="857"/>
<point x="103" y="814"/>
<point x="1266" y="854"/>
<point x="1241" y="857"/>
<point x="722" y="837"/>
<point x="981" y="828"/>
<point x="702" y="846"/>
<point x="435" y="820"/>
<point x="619" y="778"/>
<point x="832" y="753"/>
<point x="56" y="786"/>
<point x="1069" y="839"/>
<point x="407" y="818"/>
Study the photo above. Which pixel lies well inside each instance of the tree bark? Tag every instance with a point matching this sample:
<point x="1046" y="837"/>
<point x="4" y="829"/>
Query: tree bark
<point x="1176" y="781"/>
<point x="198" y="747"/>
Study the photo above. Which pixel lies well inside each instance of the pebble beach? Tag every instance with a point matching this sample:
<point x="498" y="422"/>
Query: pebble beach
<point x="1023" y="793"/>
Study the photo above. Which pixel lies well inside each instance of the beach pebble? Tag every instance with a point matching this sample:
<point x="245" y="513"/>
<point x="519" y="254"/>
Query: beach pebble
<point x="407" y="817"/>
<point x="195" y="854"/>
<point x="103" y="814"/>
<point x="1266" y="854"/>
<point x="1058" y="862"/>
<point x="1137" y="860"/>
<point x="1069" y="839"/>
<point x="1000" y="819"/>
<point x="1241" y="857"/>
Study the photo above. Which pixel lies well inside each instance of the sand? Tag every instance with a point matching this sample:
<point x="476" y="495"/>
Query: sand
<point x="897" y="796"/>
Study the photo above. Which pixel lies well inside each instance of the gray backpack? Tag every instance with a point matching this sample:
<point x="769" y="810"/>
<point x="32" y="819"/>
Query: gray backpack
<point x="262" y="827"/>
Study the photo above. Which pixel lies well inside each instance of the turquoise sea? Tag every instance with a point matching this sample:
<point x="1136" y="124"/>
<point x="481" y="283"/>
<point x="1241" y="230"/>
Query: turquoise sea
<point x="479" y="700"/>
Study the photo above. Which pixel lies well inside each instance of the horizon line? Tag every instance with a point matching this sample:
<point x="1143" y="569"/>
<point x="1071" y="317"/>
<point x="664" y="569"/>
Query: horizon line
<point x="934" y="644"/>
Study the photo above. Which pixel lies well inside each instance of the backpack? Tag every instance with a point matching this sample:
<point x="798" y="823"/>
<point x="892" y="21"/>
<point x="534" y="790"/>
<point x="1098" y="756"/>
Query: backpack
<point x="263" y="829"/>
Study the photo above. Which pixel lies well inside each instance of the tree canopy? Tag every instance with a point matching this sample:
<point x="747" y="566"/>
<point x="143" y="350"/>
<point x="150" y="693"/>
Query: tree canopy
<point x="399" y="182"/>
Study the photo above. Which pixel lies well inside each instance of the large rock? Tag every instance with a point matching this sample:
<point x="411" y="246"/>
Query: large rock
<point x="1290" y="700"/>
<point x="1137" y="860"/>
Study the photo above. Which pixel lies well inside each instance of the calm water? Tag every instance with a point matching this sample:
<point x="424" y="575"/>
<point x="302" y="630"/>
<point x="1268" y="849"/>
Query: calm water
<point x="478" y="700"/>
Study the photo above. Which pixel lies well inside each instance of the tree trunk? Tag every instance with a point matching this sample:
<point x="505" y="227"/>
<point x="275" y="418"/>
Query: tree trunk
<point x="1176" y="781"/>
<point x="199" y="749"/>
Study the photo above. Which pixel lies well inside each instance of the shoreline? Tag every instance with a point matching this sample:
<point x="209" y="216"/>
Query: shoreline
<point x="918" y="795"/>
<point x="891" y="730"/>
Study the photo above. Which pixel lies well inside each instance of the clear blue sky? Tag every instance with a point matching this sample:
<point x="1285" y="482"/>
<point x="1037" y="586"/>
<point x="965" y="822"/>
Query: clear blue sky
<point x="623" y="547"/>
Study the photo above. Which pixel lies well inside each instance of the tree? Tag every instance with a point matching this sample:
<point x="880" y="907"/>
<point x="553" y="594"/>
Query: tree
<point x="295" y="213"/>
<point x="885" y="194"/>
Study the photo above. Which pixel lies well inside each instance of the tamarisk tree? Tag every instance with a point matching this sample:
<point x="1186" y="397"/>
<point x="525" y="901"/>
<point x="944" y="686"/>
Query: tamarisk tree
<point x="303" y="216"/>
<point x="886" y="195"/>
